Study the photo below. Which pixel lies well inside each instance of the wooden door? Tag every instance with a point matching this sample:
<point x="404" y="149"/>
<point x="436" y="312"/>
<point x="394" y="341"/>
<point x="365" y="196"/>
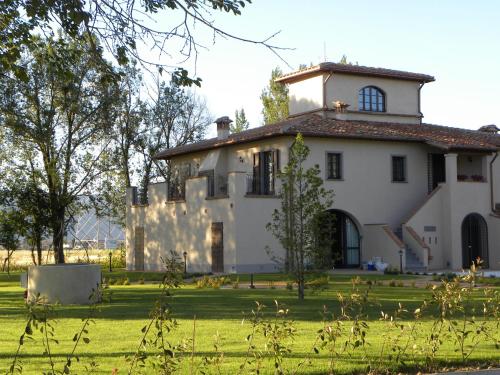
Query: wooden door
<point x="474" y="240"/>
<point x="217" y="247"/>
<point x="437" y="172"/>
<point x="139" y="248"/>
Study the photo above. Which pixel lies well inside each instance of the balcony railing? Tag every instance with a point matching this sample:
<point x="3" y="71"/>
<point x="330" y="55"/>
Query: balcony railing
<point x="256" y="186"/>
<point x="217" y="186"/>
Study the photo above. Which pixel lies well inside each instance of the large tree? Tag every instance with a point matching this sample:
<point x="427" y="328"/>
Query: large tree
<point x="173" y="116"/>
<point x="298" y="221"/>
<point x="60" y="113"/>
<point x="274" y="99"/>
<point x="123" y="27"/>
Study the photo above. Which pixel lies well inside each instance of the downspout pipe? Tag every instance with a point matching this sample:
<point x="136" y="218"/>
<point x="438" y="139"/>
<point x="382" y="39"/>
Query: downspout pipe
<point x="421" y="115"/>
<point x="492" y="195"/>
<point x="325" y="104"/>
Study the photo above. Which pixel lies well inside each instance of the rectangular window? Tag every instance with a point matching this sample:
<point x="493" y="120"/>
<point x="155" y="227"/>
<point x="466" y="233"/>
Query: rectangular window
<point x="333" y="166"/>
<point x="265" y="169"/>
<point x="399" y="169"/>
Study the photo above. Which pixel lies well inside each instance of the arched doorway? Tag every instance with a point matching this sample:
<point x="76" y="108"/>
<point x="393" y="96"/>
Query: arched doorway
<point x="474" y="240"/>
<point x="344" y="239"/>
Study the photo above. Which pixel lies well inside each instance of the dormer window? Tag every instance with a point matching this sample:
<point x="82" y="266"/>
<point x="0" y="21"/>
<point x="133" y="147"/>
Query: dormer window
<point x="371" y="99"/>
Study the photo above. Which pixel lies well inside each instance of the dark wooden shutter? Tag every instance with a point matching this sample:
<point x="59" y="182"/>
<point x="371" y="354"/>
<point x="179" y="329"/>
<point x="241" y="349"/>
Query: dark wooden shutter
<point x="276" y="169"/>
<point x="139" y="248"/>
<point x="256" y="173"/>
<point x="217" y="247"/>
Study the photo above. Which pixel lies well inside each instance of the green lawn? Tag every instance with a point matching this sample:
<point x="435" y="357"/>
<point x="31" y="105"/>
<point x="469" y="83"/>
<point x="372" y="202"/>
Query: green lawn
<point x="118" y="324"/>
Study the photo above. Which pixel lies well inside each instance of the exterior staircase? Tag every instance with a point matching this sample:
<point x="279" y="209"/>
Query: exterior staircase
<point x="413" y="264"/>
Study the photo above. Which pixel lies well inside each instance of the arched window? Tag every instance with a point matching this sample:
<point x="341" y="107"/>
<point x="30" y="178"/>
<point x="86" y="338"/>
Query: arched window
<point x="372" y="99"/>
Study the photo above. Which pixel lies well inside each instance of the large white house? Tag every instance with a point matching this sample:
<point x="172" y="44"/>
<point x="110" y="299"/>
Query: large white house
<point x="425" y="194"/>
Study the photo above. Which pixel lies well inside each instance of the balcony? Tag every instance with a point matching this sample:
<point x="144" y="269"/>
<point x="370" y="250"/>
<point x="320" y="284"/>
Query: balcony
<point x="217" y="186"/>
<point x="471" y="168"/>
<point x="260" y="187"/>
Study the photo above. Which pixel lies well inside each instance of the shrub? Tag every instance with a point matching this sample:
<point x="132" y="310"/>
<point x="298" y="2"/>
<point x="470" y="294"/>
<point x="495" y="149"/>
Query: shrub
<point x="289" y="285"/>
<point x="202" y="283"/>
<point x="392" y="283"/>
<point x="319" y="284"/>
<point x="141" y="280"/>
<point x="126" y="281"/>
<point x="391" y="271"/>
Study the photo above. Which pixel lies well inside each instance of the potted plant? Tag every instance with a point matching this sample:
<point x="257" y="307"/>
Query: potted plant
<point x="477" y="178"/>
<point x="462" y="177"/>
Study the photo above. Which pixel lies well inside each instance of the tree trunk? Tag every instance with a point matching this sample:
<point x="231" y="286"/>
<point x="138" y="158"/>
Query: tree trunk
<point x="300" y="289"/>
<point x="39" y="250"/>
<point x="58" y="236"/>
<point x="33" y="255"/>
<point x="6" y="261"/>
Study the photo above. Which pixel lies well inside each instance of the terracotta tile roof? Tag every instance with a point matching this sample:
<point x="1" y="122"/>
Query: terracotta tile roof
<point x="314" y="125"/>
<point x="353" y="69"/>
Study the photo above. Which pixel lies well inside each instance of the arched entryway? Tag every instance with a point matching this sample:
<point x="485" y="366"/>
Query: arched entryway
<point x="344" y="237"/>
<point x="474" y="240"/>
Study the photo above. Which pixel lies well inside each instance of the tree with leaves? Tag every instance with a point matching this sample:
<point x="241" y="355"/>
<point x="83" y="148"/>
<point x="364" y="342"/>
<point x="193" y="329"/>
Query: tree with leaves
<point x="298" y="220"/>
<point x="173" y="116"/>
<point x="274" y="99"/>
<point x="32" y="207"/>
<point x="240" y="122"/>
<point x="60" y="115"/>
<point x="11" y="231"/>
<point x="121" y="28"/>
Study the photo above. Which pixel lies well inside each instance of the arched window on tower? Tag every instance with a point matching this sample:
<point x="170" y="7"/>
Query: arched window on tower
<point x="371" y="99"/>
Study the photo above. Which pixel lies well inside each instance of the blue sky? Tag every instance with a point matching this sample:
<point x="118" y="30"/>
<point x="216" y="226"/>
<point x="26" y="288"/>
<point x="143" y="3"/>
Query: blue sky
<point x="456" y="41"/>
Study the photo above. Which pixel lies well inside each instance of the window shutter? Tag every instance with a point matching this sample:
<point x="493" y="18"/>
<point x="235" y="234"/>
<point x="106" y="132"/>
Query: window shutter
<point x="276" y="169"/>
<point x="256" y="173"/>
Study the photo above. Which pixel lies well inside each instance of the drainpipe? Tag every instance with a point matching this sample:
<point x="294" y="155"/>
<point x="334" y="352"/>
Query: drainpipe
<point x="419" y="109"/>
<point x="491" y="182"/>
<point x="325" y="105"/>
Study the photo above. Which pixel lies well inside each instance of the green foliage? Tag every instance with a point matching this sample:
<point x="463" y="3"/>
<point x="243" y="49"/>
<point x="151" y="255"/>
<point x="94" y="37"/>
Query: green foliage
<point x="213" y="282"/>
<point x="274" y="99"/>
<point x="240" y="122"/>
<point x="319" y="284"/>
<point x="11" y="230"/>
<point x="459" y="318"/>
<point x="118" y="28"/>
<point x="172" y="117"/>
<point x="298" y="221"/>
<point x="58" y="119"/>
<point x="166" y="357"/>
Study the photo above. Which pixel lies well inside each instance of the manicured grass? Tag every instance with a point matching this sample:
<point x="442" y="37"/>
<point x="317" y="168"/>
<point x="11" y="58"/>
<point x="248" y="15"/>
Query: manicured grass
<point x="117" y="328"/>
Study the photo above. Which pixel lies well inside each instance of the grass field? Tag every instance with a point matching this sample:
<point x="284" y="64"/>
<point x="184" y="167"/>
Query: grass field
<point x="117" y="328"/>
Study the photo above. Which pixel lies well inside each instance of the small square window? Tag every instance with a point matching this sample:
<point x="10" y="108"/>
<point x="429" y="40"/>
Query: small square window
<point x="399" y="169"/>
<point x="334" y="166"/>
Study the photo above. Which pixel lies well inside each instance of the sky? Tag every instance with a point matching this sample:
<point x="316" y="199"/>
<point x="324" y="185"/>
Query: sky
<point x="458" y="42"/>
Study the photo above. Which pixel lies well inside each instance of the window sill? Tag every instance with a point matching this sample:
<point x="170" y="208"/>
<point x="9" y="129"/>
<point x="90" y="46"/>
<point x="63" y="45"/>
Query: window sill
<point x="399" y="182"/>
<point x="261" y="196"/>
<point x="334" y="179"/>
<point x="472" y="181"/>
<point x="215" y="197"/>
<point x="135" y="205"/>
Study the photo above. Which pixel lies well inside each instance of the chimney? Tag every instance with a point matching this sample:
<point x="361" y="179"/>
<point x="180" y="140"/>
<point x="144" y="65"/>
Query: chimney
<point x="223" y="127"/>
<point x="493" y="129"/>
<point x="340" y="109"/>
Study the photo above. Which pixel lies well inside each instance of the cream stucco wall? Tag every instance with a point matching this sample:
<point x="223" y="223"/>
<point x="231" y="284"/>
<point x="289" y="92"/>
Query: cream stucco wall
<point x="402" y="97"/>
<point x="365" y="192"/>
<point x="306" y="95"/>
